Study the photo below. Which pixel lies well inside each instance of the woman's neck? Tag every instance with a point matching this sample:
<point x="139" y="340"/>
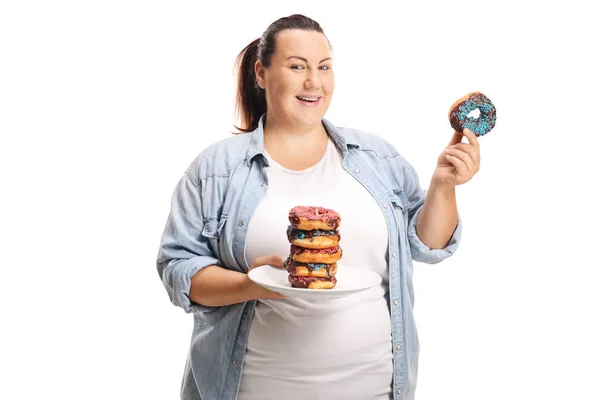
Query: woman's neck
<point x="295" y="147"/>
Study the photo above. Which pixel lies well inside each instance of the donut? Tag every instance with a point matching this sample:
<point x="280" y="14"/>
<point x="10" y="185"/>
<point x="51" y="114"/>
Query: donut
<point x="315" y="239"/>
<point x="320" y="256"/>
<point x="310" y="269"/>
<point x="312" y="282"/>
<point x="459" y="119"/>
<point x="309" y="218"/>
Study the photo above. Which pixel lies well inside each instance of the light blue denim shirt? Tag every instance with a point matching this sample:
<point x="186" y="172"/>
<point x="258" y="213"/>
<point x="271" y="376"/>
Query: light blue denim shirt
<point x="207" y="225"/>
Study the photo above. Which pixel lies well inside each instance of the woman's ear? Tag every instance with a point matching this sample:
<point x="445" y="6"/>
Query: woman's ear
<point x="259" y="71"/>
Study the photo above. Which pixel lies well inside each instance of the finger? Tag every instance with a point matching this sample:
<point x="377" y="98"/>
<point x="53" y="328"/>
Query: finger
<point x="461" y="168"/>
<point x="273" y="260"/>
<point x="464" y="157"/>
<point x="469" y="149"/>
<point x="471" y="137"/>
<point x="456" y="138"/>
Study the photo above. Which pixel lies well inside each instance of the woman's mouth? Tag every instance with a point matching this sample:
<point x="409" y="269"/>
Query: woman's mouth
<point x="309" y="100"/>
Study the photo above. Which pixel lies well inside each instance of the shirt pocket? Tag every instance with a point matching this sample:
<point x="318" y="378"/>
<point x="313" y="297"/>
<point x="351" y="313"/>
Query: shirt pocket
<point x="213" y="230"/>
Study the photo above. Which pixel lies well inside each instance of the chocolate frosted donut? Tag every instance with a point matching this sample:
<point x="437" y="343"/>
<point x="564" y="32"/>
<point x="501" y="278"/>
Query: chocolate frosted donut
<point x="459" y="119"/>
<point x="321" y="256"/>
<point x="311" y="282"/>
<point x="310" y="269"/>
<point x="309" y="218"/>
<point x="315" y="239"/>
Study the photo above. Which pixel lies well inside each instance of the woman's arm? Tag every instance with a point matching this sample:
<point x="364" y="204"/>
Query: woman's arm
<point x="438" y="218"/>
<point x="456" y="165"/>
<point x="185" y="254"/>
<point x="214" y="286"/>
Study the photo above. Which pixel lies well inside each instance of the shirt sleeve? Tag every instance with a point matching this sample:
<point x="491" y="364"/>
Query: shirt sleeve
<point x="183" y="249"/>
<point x="416" y="198"/>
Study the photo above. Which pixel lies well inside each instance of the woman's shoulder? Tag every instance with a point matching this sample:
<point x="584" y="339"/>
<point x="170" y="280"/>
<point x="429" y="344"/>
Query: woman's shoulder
<point x="379" y="152"/>
<point x="367" y="140"/>
<point x="220" y="157"/>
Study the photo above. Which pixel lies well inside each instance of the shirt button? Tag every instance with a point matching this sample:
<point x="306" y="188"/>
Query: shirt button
<point x="398" y="347"/>
<point x="393" y="254"/>
<point x="262" y="184"/>
<point x="395" y="302"/>
<point x="399" y="391"/>
<point x="235" y="363"/>
<point x="357" y="170"/>
<point x="385" y="206"/>
<point x="241" y="223"/>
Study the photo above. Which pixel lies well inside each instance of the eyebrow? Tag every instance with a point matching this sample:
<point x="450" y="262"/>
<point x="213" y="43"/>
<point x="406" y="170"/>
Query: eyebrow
<point x="306" y="61"/>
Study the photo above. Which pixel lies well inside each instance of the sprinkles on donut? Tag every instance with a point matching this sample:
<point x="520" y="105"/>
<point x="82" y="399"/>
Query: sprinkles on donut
<point x="310" y="269"/>
<point x="460" y="110"/>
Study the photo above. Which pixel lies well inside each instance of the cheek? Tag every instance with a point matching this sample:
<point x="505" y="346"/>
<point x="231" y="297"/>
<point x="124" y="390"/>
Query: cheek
<point x="282" y="90"/>
<point x="329" y="82"/>
<point x="275" y="93"/>
<point x="329" y="87"/>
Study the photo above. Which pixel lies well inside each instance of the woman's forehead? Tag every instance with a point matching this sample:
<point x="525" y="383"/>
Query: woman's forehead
<point x="311" y="45"/>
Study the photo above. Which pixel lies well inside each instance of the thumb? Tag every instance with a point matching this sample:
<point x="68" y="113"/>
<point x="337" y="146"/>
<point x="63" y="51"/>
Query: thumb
<point x="273" y="260"/>
<point x="456" y="138"/>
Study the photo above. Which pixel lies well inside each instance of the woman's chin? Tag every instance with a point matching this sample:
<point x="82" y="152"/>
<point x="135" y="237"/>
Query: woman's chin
<point x="309" y="117"/>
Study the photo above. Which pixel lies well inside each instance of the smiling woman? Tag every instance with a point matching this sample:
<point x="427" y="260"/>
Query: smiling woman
<point x="229" y="214"/>
<point x="292" y="60"/>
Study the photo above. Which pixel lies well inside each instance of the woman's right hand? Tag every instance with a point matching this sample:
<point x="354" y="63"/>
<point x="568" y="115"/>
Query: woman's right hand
<point x="255" y="290"/>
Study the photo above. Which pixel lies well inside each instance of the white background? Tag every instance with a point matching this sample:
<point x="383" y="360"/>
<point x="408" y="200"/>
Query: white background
<point x="104" y="104"/>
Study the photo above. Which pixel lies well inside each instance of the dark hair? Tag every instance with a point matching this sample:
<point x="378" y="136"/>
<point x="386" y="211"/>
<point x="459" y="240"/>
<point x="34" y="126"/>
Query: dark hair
<point x="251" y="102"/>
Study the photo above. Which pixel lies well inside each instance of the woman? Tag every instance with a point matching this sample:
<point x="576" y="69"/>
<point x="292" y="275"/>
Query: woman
<point x="229" y="214"/>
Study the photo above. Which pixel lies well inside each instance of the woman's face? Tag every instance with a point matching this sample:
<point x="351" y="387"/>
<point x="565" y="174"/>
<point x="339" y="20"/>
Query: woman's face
<point x="299" y="82"/>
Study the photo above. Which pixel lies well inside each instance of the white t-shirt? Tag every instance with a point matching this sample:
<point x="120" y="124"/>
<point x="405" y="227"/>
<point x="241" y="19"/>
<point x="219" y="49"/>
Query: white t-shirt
<point x="327" y="349"/>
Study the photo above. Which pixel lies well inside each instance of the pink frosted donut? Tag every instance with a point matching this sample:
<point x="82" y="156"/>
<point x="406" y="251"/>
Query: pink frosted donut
<point x="309" y="218"/>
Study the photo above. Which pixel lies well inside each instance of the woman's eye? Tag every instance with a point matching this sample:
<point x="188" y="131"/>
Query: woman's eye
<point x="301" y="67"/>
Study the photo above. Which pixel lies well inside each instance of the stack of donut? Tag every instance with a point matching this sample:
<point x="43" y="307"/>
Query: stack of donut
<point x="315" y="249"/>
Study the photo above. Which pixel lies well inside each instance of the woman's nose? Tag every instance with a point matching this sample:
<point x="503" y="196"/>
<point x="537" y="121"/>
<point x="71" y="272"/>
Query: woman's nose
<point x="312" y="81"/>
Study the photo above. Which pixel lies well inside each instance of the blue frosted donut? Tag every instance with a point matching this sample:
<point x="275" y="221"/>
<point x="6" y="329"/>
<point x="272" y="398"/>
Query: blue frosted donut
<point x="460" y="110"/>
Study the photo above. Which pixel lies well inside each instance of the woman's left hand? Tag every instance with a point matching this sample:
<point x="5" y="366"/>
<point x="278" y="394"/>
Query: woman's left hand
<point x="459" y="162"/>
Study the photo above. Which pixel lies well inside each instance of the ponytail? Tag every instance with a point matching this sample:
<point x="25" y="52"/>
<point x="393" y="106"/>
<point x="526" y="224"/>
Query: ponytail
<point x="251" y="102"/>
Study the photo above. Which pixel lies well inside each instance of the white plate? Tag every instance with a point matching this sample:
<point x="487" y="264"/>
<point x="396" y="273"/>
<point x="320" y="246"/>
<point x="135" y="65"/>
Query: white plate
<point x="350" y="280"/>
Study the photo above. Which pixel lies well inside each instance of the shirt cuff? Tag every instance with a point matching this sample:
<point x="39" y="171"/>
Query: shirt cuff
<point x="422" y="253"/>
<point x="181" y="273"/>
